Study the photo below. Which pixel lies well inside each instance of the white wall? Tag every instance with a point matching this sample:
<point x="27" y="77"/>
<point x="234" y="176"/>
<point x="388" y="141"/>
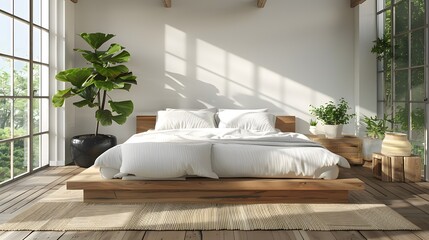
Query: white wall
<point x="227" y="54"/>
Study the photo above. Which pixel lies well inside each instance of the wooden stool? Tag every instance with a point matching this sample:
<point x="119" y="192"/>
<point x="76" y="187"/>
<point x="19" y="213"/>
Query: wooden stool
<point x="396" y="169"/>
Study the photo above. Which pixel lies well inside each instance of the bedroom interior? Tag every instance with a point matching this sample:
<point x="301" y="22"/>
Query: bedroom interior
<point x="260" y="65"/>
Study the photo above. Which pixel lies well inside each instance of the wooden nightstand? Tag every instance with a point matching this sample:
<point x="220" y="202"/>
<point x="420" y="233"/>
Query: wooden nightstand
<point x="350" y="147"/>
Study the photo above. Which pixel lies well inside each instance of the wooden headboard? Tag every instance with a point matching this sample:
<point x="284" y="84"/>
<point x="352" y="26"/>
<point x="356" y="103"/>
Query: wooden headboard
<point x="146" y="122"/>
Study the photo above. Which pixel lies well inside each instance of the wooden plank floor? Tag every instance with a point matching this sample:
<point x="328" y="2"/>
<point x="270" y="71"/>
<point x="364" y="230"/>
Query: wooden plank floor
<point x="411" y="200"/>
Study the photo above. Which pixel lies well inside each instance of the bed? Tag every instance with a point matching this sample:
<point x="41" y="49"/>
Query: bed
<point x="240" y="186"/>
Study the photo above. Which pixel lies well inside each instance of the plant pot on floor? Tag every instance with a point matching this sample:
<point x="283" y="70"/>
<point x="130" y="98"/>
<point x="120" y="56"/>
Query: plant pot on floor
<point x="333" y="131"/>
<point x="86" y="148"/>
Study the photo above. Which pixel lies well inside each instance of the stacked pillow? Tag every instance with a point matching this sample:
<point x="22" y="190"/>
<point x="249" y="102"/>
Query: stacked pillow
<point x="248" y="119"/>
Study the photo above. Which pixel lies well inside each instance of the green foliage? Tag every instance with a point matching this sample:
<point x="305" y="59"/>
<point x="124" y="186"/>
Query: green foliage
<point x="313" y="122"/>
<point x="376" y="127"/>
<point x="91" y="84"/>
<point x="331" y="114"/>
<point x="382" y="48"/>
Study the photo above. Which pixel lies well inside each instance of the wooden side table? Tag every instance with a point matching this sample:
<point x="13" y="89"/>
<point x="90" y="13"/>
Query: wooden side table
<point x="397" y="169"/>
<point x="350" y="147"/>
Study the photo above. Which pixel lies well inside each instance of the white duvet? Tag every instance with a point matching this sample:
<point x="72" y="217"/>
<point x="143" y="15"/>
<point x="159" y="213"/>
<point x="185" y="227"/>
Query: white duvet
<point x="219" y="152"/>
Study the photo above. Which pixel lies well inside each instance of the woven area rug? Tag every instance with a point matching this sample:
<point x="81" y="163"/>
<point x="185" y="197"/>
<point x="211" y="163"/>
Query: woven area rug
<point x="65" y="211"/>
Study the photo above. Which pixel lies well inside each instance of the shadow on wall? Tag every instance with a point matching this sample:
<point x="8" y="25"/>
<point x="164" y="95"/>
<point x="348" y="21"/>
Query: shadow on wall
<point x="198" y="74"/>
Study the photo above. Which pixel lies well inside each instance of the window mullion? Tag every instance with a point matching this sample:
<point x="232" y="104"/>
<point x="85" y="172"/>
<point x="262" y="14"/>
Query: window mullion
<point x="31" y="94"/>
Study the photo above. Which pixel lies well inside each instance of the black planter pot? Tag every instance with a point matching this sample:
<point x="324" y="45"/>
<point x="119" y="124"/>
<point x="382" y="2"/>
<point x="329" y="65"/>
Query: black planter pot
<point x="86" y="148"/>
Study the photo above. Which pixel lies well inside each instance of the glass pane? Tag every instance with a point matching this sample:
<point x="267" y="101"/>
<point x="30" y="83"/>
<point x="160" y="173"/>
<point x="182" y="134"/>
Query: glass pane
<point x="5" y="118"/>
<point x="20" y="156"/>
<point x="36" y="151"/>
<point x="37" y="47"/>
<point x="45" y="149"/>
<point x="382" y="4"/>
<point x="418" y="128"/>
<point x="401" y="118"/>
<point x="6" y="34"/>
<point x="4" y="161"/>
<point x="401" y="17"/>
<point x="6" y="5"/>
<point x="401" y="55"/>
<point x="45" y="81"/>
<point x="401" y="85"/>
<point x="37" y="8"/>
<point x="36" y="115"/>
<point x="417" y="13"/>
<point x="22" y="9"/>
<point x="41" y="115"/>
<point x="45" y="46"/>
<point x="20" y="78"/>
<point x="5" y="76"/>
<point x="388" y="86"/>
<point x="418" y="122"/>
<point x="418" y="84"/>
<point x="45" y="14"/>
<point x="418" y="47"/>
<point x="380" y="86"/>
<point x="20" y="116"/>
<point x="36" y="79"/>
<point x="21" y="42"/>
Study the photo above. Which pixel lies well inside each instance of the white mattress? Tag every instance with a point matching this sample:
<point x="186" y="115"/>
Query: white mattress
<point x="234" y="153"/>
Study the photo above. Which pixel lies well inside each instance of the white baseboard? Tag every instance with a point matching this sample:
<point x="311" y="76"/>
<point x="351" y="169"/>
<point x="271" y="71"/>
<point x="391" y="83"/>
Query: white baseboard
<point x="57" y="163"/>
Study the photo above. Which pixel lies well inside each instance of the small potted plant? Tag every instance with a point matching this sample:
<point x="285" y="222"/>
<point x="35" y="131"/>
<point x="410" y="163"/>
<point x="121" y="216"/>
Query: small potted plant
<point x="313" y="124"/>
<point x="106" y="72"/>
<point x="375" y="130"/>
<point x="333" y="116"/>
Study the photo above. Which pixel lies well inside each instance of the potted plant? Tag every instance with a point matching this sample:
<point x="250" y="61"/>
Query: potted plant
<point x="105" y="73"/>
<point x="333" y="116"/>
<point x="313" y="124"/>
<point x="375" y="130"/>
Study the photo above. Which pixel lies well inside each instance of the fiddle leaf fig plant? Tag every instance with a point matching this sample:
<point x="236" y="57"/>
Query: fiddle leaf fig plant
<point x="92" y="84"/>
<point x="333" y="114"/>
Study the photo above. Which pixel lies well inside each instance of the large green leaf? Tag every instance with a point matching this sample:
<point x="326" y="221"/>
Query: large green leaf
<point x="111" y="72"/>
<point x="75" y="76"/>
<point x="95" y="40"/>
<point x="60" y="96"/>
<point x="104" y="116"/>
<point x="120" y="119"/>
<point x="114" y="48"/>
<point x="108" y="85"/>
<point x="121" y="57"/>
<point x="128" y="78"/>
<point x="82" y="103"/>
<point x="123" y="107"/>
<point x="88" y="93"/>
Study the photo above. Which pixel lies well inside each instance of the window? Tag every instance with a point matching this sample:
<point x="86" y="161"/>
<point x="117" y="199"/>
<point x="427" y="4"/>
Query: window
<point x="24" y="79"/>
<point x="403" y="73"/>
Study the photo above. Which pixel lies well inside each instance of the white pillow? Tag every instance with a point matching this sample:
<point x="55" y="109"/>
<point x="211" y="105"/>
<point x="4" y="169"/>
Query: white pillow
<point x="167" y="160"/>
<point x="184" y="119"/>
<point x="260" y="121"/>
<point x="213" y="110"/>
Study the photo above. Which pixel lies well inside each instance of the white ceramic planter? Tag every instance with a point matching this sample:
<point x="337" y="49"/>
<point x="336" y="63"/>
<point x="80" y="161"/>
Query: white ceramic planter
<point x="333" y="131"/>
<point x="313" y="130"/>
<point x="396" y="144"/>
<point x="370" y="146"/>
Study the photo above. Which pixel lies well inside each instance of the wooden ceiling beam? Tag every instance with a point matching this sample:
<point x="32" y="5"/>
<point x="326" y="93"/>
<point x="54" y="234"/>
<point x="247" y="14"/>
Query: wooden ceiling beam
<point x="167" y="3"/>
<point x="354" y="3"/>
<point x="261" y="3"/>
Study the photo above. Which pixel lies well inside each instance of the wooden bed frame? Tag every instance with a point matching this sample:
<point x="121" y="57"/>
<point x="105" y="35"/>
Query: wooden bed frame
<point x="224" y="190"/>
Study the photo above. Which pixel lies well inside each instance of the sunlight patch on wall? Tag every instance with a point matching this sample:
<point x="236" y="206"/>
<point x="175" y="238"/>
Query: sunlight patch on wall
<point x="175" y="50"/>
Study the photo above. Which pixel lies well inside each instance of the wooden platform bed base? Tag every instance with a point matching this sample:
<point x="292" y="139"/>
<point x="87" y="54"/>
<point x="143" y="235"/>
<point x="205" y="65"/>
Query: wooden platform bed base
<point x="226" y="190"/>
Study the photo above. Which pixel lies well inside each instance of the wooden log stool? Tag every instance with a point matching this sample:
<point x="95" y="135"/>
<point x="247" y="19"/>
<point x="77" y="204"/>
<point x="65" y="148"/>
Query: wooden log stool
<point x="396" y="168"/>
